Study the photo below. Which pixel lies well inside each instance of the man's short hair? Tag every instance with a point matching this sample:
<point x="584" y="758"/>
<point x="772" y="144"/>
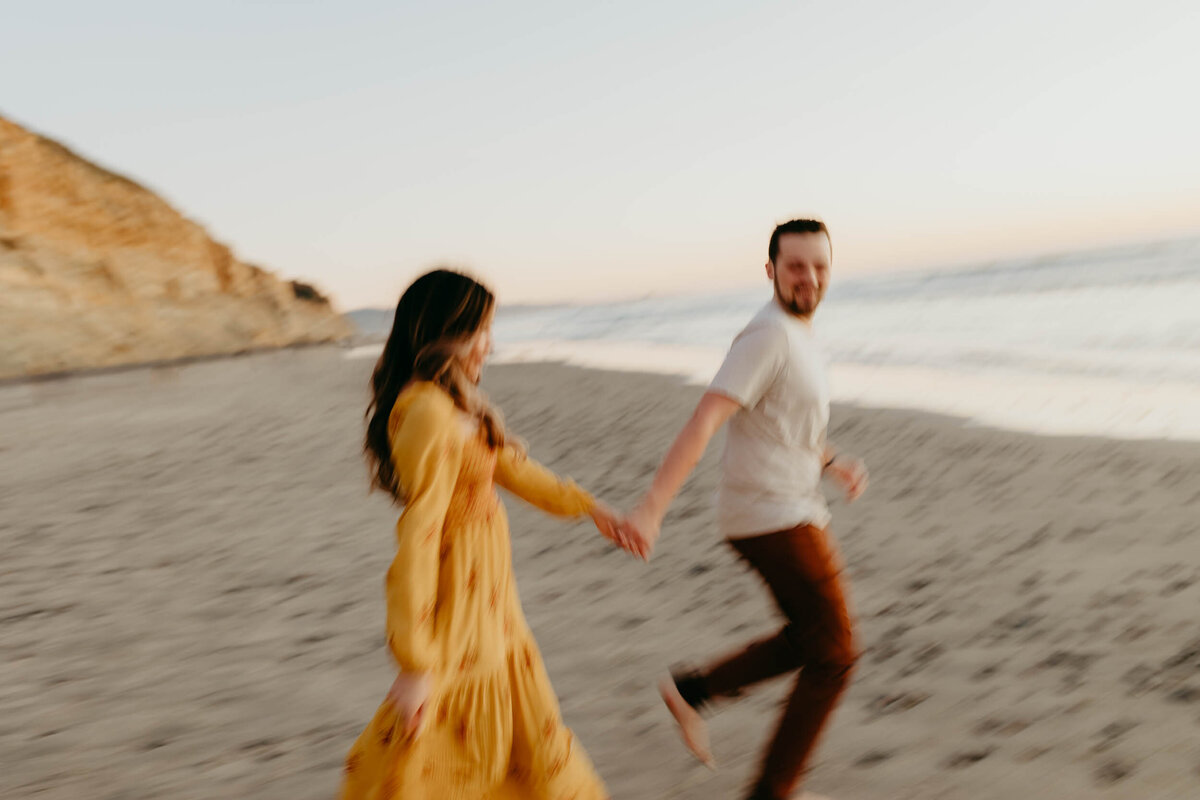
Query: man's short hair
<point x="797" y="226"/>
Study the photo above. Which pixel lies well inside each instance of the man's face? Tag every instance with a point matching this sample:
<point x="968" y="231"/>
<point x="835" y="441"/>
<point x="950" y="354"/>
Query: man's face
<point x="801" y="271"/>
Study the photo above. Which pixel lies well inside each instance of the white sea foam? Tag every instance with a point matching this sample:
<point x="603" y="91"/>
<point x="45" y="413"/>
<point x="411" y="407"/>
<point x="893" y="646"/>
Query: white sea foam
<point x="1084" y="343"/>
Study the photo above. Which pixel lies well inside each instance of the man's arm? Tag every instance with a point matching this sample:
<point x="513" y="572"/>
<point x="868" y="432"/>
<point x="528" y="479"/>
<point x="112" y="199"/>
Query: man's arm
<point x="713" y="410"/>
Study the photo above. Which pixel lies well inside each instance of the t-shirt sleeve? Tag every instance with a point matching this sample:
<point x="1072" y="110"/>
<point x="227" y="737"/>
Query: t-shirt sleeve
<point x="754" y="362"/>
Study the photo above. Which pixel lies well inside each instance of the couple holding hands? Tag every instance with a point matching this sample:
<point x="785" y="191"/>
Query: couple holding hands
<point x="472" y="714"/>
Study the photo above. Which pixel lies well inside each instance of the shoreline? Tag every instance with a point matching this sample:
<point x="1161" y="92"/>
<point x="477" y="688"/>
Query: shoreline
<point x="357" y="349"/>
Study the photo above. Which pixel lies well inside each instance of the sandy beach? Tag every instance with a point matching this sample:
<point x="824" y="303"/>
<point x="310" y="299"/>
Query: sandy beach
<point x="191" y="575"/>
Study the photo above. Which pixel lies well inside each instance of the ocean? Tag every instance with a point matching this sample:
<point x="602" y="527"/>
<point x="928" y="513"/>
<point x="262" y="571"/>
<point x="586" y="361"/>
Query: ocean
<point x="1097" y="342"/>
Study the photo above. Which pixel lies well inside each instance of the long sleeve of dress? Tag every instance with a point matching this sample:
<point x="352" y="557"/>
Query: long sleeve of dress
<point x="540" y="487"/>
<point x="426" y="454"/>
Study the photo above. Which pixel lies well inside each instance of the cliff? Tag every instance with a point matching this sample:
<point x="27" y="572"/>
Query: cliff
<point x="98" y="271"/>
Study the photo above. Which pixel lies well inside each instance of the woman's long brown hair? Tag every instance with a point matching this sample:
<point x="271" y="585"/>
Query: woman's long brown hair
<point x="435" y="319"/>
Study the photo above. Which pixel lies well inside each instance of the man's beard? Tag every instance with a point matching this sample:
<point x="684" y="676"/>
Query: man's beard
<point x="795" y="306"/>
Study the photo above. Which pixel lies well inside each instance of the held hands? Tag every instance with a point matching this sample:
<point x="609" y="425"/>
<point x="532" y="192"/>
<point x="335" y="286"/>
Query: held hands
<point x="850" y="475"/>
<point x="608" y="524"/>
<point x="642" y="527"/>
<point x="622" y="533"/>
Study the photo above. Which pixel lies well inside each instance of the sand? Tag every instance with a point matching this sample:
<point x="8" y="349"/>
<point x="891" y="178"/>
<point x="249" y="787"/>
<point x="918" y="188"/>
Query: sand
<point x="191" y="593"/>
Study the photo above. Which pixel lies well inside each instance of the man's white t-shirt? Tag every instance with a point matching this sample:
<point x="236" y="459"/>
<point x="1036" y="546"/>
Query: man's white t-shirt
<point x="775" y="445"/>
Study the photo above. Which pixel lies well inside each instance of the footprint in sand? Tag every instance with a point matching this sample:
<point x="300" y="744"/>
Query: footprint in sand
<point x="883" y="704"/>
<point x="1031" y="754"/>
<point x="1074" y="667"/>
<point x="1113" y="771"/>
<point x="1112" y="733"/>
<point x="1185" y="694"/>
<point x="987" y="672"/>
<point x="968" y="758"/>
<point x="921" y="659"/>
<point x="1175" y="587"/>
<point x="873" y="758"/>
<point x="997" y="726"/>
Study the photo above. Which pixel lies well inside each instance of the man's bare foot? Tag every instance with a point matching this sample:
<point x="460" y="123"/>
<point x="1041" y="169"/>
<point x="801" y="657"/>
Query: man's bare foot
<point x="691" y="724"/>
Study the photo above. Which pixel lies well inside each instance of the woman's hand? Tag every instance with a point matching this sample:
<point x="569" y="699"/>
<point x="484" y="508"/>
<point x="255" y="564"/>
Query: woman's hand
<point x="409" y="696"/>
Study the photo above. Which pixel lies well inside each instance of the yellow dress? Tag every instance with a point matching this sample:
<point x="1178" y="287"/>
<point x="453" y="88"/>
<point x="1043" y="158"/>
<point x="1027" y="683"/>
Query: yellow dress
<point x="493" y="729"/>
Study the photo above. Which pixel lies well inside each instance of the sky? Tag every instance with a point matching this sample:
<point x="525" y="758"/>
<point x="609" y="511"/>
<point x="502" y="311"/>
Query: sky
<point x="592" y="151"/>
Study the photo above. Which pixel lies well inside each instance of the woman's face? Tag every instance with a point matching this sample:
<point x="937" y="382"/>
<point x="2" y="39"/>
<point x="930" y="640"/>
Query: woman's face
<point x="479" y="346"/>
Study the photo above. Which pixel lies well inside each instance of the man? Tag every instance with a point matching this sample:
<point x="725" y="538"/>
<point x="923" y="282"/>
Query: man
<point x="772" y="387"/>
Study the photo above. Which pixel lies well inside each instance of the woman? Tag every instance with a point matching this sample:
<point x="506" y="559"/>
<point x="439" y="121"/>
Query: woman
<point x="471" y="714"/>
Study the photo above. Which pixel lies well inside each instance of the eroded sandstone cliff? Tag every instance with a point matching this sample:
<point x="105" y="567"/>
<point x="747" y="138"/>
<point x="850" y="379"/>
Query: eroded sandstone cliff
<point x="98" y="271"/>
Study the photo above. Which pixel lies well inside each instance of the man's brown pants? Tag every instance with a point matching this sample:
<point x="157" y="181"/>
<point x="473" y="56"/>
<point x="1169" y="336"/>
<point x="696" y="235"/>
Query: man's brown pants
<point x="802" y="569"/>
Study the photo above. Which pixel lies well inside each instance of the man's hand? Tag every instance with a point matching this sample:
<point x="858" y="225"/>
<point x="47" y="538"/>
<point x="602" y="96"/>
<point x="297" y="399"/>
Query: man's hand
<point x="850" y="474"/>
<point x="642" y="528"/>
